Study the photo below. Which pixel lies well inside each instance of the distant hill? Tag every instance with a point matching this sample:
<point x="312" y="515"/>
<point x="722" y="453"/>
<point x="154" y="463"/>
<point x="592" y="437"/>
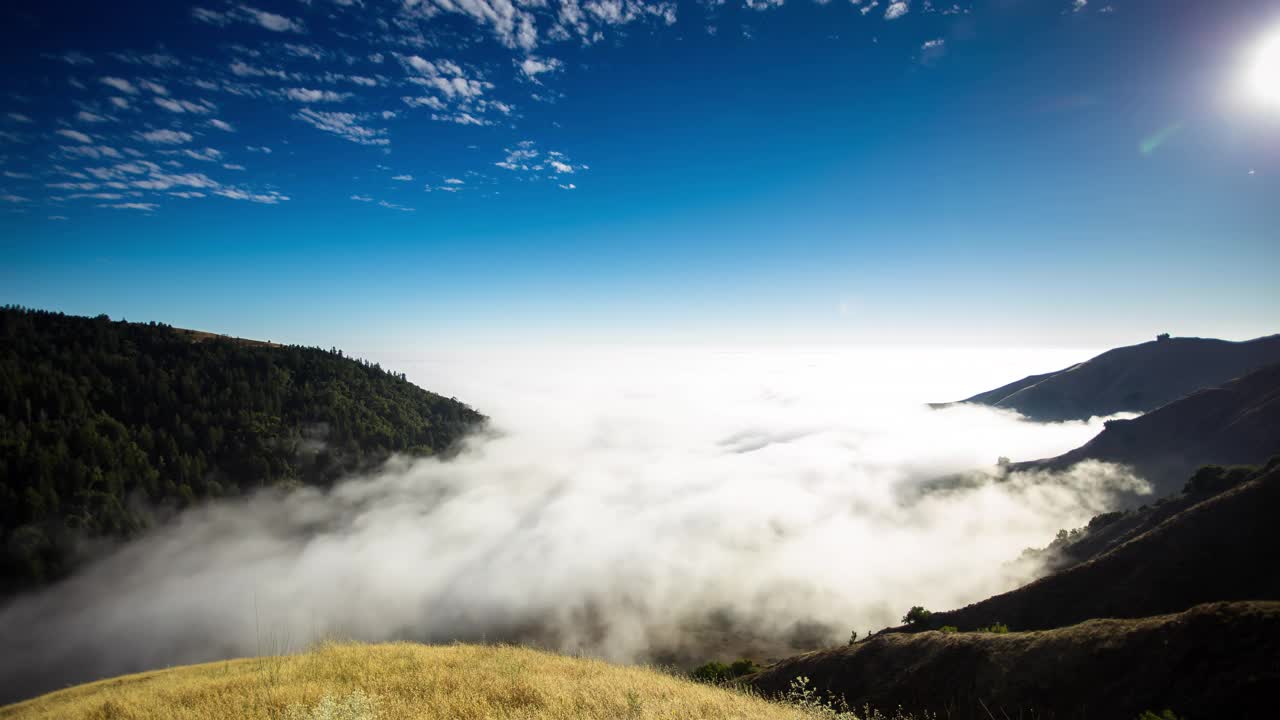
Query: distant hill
<point x="1138" y="378"/>
<point x="1237" y="423"/>
<point x="1212" y="661"/>
<point x="1212" y="547"/>
<point x="105" y="424"/>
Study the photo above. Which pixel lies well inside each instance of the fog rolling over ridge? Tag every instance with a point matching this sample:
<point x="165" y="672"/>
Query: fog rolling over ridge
<point x="635" y="506"/>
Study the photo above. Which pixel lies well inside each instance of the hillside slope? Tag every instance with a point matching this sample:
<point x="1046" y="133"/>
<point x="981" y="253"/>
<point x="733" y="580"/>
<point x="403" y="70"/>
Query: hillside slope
<point x="1137" y="378"/>
<point x="1221" y="548"/>
<point x="105" y="424"/>
<point x="1237" y="423"/>
<point x="400" y="681"/>
<point x="1220" y="660"/>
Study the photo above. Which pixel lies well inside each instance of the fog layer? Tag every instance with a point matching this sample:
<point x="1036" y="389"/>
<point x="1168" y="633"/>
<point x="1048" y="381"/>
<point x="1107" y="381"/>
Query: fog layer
<point x="659" y="506"/>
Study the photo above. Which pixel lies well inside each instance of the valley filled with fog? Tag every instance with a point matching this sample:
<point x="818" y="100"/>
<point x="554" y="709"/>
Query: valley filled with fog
<point x="641" y="506"/>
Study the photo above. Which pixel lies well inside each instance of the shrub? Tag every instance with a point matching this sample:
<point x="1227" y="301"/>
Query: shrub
<point x="1212" y="479"/>
<point x="948" y="629"/>
<point x="1152" y="715"/>
<point x="998" y="628"/>
<point x="717" y="672"/>
<point x="712" y="672"/>
<point x="916" y="616"/>
<point x="853" y="636"/>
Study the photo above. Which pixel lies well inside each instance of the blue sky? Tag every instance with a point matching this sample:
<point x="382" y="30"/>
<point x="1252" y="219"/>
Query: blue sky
<point x="397" y="175"/>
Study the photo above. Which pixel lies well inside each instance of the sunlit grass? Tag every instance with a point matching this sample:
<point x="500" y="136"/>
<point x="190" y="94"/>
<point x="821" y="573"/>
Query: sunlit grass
<point x="392" y="681"/>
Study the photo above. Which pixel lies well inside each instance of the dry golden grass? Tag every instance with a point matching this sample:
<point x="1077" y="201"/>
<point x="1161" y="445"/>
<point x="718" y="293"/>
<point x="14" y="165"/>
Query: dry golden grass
<point x="402" y="680"/>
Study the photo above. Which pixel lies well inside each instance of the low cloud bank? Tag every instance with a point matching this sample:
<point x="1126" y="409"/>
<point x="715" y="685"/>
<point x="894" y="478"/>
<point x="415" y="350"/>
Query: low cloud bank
<point x="638" y="507"/>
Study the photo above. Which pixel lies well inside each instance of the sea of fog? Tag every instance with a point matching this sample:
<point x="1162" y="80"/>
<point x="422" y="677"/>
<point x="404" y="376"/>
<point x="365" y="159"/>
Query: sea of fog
<point x="650" y="506"/>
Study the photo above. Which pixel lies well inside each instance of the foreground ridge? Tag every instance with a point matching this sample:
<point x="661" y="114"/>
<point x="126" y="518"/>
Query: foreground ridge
<point x="401" y="680"/>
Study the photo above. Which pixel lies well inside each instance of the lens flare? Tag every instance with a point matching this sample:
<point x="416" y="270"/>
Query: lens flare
<point x="1263" y="77"/>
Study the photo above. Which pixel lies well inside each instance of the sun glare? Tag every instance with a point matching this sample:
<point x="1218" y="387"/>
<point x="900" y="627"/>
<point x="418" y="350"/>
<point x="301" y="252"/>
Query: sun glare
<point x="1263" y="78"/>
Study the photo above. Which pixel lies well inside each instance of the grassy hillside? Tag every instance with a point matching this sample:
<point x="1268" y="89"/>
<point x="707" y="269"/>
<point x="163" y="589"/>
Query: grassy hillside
<point x="105" y="425"/>
<point x="1137" y="378"/>
<point x="363" y="682"/>
<point x="1213" y="661"/>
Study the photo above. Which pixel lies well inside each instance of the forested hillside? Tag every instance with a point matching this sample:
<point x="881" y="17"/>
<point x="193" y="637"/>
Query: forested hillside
<point x="103" y="423"/>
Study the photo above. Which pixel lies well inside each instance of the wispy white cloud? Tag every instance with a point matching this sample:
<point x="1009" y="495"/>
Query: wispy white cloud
<point x="345" y="125"/>
<point x="291" y="68"/>
<point x="144" y="207"/>
<point x="74" y="135"/>
<point x="244" y="13"/>
<point x="311" y="52"/>
<point x="307" y="95"/>
<point x="120" y="84"/>
<point x="212" y="17"/>
<point x="403" y="178"/>
<point x="527" y="158"/>
<point x="93" y="152"/>
<point x="203" y="107"/>
<point x="75" y="57"/>
<point x="166" y="137"/>
<point x="532" y="66"/>
<point x="206" y="155"/>
<point x="272" y="21"/>
<point x="240" y="68"/>
<point x="445" y="76"/>
<point x="160" y="61"/>
<point x="268" y="198"/>
<point x="153" y="87"/>
<point x="381" y="203"/>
